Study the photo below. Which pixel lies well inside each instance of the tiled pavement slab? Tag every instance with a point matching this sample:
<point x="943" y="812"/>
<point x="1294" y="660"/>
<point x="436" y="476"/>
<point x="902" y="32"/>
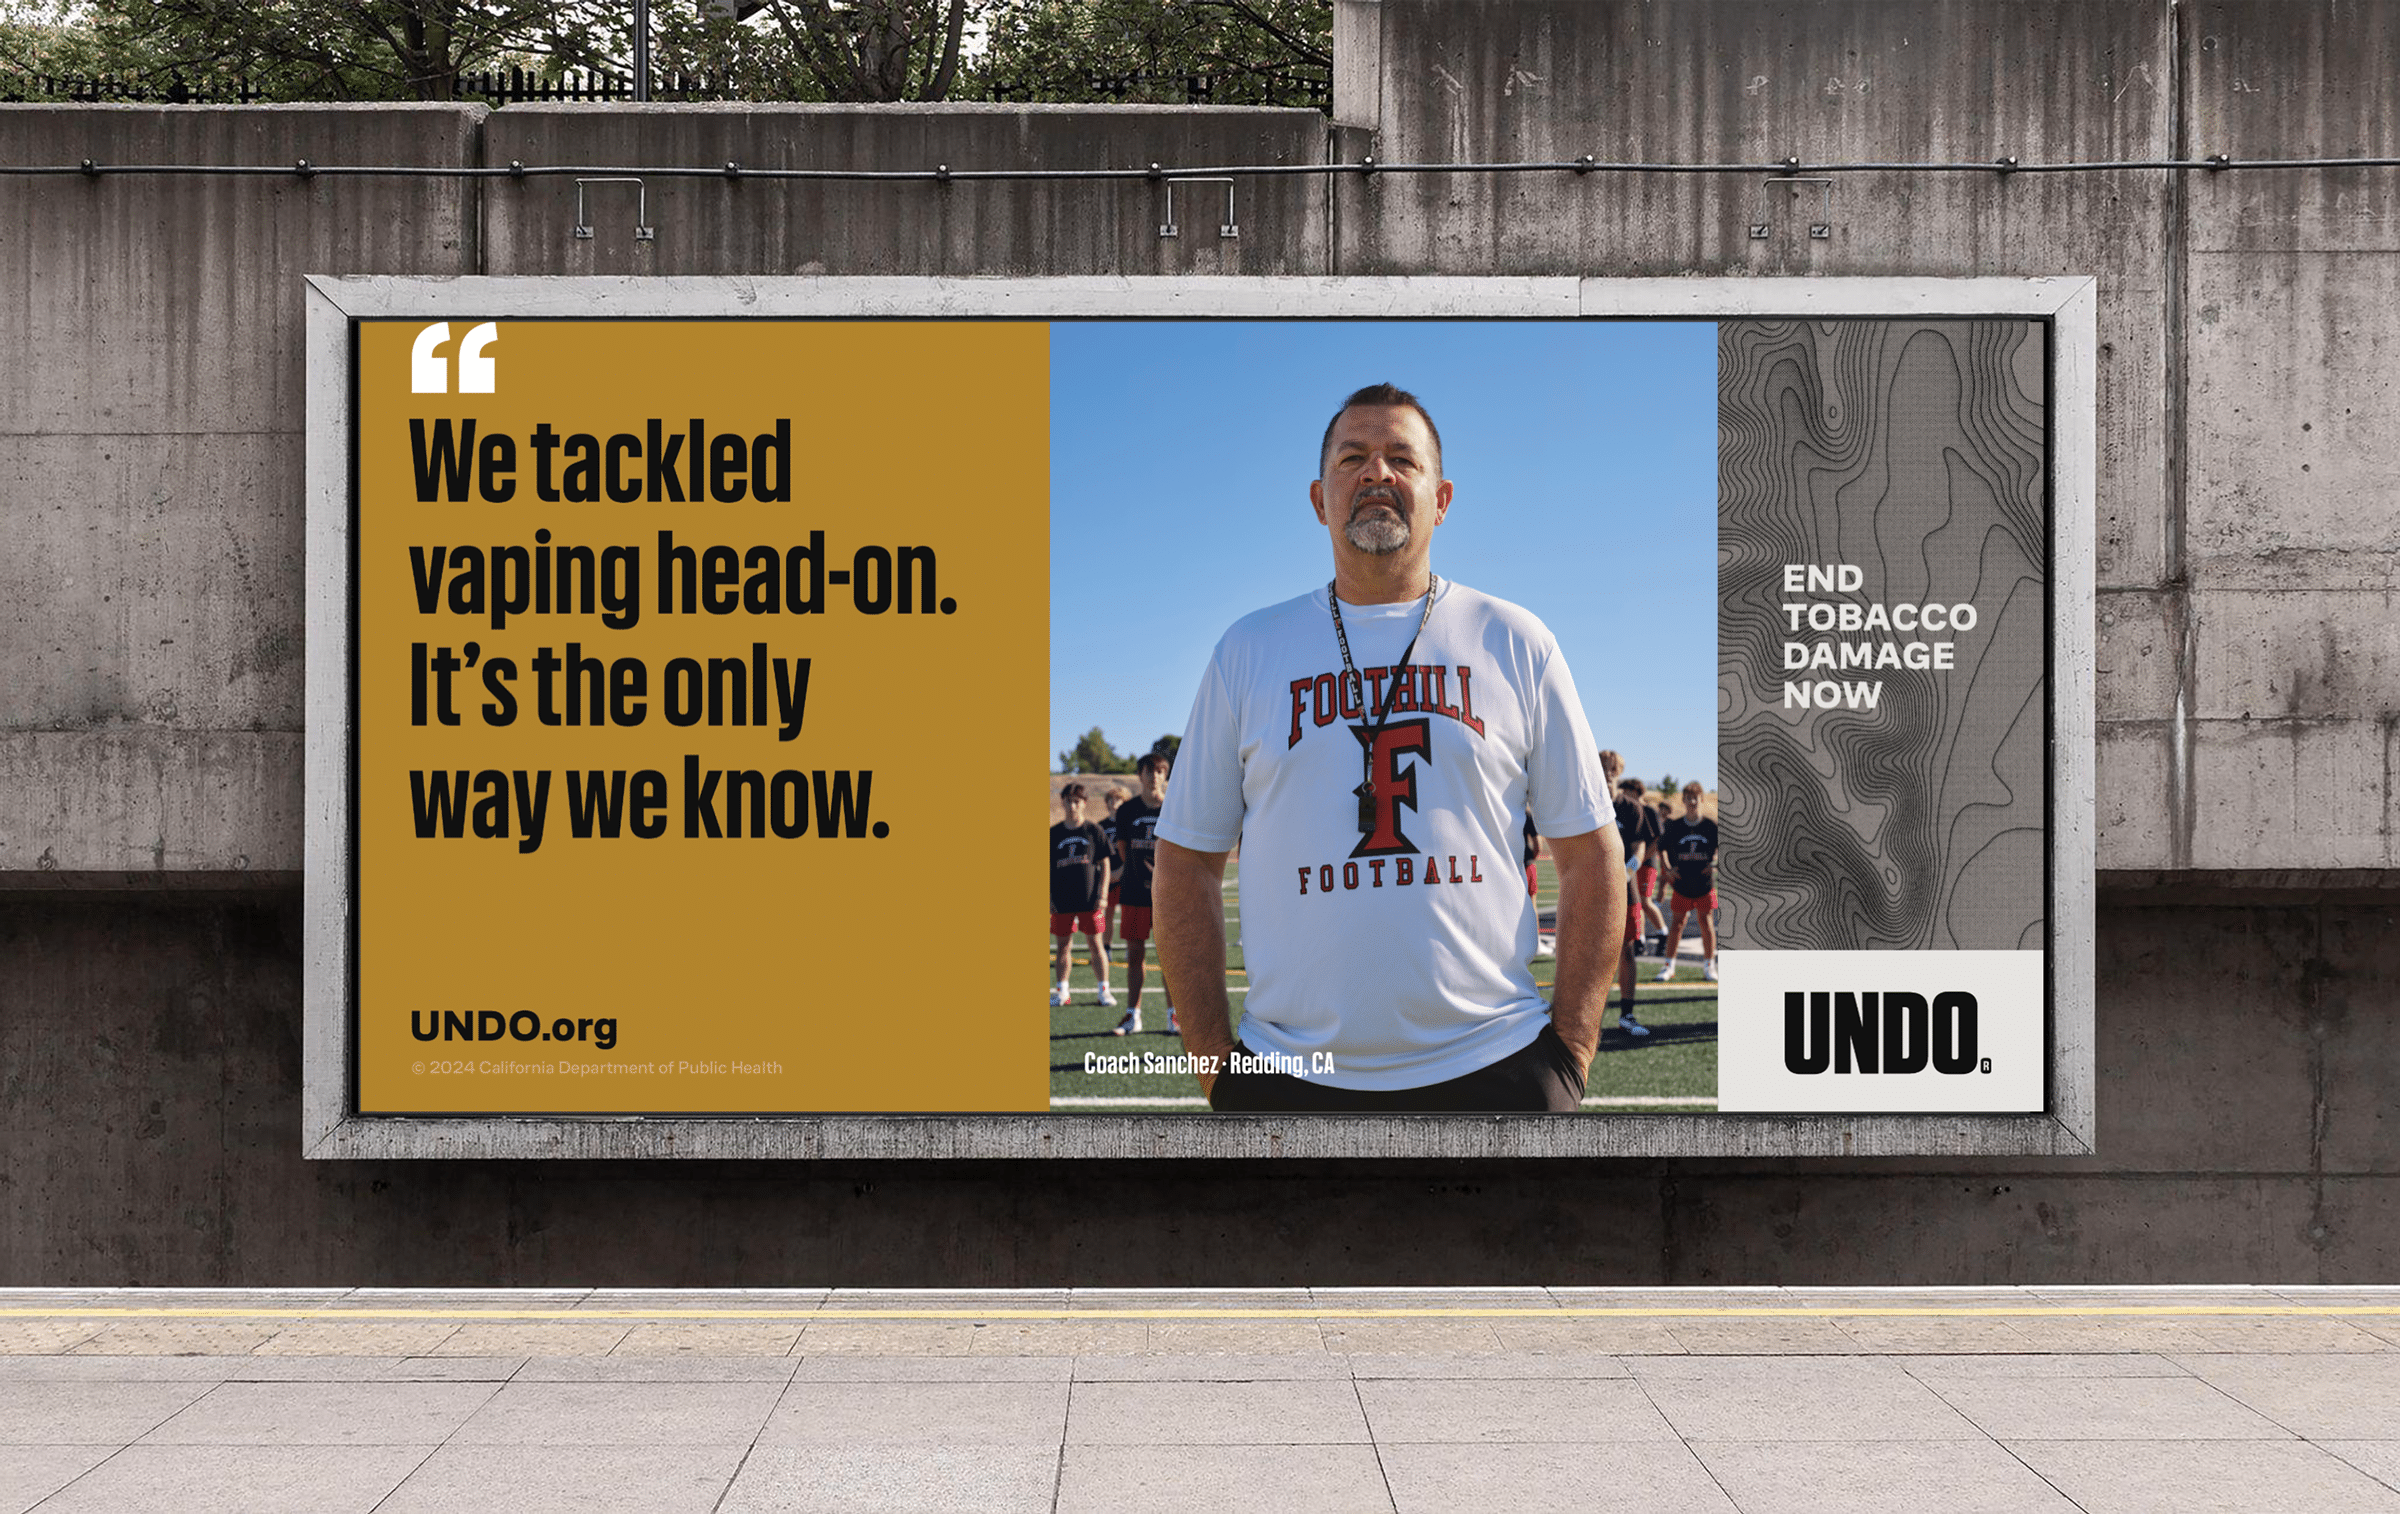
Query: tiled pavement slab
<point x="2192" y="1477"/>
<point x="1565" y="1366"/>
<point x="1185" y="1337"/>
<point x="873" y="1337"/>
<point x="1145" y="1416"/>
<point x="1518" y="1411"/>
<point x="1554" y="1478"/>
<point x="179" y="1337"/>
<point x="1428" y="1337"/>
<point x="29" y="1474"/>
<point x="1585" y="1336"/>
<point x="670" y="1368"/>
<point x="1907" y="1335"/>
<point x="568" y="1479"/>
<point x="234" y="1479"/>
<point x="1377" y="1399"/>
<point x="1818" y="1476"/>
<point x="1270" y="1478"/>
<point x="1293" y="1367"/>
<point x="324" y="1414"/>
<point x="1804" y="1336"/>
<point x="2127" y="1408"/>
<point x="45" y="1337"/>
<point x="711" y="1338"/>
<point x="89" y="1413"/>
<point x="2379" y="1459"/>
<point x="916" y="1414"/>
<point x="622" y="1414"/>
<point x="937" y="1369"/>
<point x="1797" y="1398"/>
<point x="368" y="1337"/>
<point x="2315" y="1397"/>
<point x="803" y="1479"/>
<point x="530" y="1337"/>
<point x="1059" y="1337"/>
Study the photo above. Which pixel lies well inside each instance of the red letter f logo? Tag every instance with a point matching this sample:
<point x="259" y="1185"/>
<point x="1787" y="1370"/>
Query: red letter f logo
<point x="1394" y="788"/>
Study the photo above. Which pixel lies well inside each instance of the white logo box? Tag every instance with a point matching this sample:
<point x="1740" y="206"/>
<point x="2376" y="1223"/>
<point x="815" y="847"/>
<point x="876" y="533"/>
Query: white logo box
<point x="1752" y="1074"/>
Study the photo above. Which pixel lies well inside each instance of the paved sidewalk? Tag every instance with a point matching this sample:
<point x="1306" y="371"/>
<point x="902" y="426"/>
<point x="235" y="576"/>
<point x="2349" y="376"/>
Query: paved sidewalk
<point x="1322" y="1401"/>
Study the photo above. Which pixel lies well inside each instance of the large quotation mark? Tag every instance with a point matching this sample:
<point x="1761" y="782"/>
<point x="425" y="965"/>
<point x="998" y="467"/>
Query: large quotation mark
<point x="429" y="372"/>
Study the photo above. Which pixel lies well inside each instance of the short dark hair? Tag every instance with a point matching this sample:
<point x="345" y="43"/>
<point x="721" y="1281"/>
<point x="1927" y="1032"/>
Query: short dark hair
<point x="1629" y="782"/>
<point x="1380" y="394"/>
<point x="1149" y="760"/>
<point x="1071" y="791"/>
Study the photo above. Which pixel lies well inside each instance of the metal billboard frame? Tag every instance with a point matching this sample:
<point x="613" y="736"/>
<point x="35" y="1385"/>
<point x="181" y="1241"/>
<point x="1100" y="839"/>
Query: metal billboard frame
<point x="331" y="1129"/>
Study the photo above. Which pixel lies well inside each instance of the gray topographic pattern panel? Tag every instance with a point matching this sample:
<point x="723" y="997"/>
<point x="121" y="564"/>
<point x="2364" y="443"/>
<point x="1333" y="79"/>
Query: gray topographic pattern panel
<point x="1915" y="451"/>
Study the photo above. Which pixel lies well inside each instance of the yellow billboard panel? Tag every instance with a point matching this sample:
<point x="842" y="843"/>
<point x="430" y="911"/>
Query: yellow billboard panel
<point x="673" y="641"/>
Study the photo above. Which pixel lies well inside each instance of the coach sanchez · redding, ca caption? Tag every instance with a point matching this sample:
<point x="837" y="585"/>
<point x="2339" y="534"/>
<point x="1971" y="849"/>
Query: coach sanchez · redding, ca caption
<point x="1184" y="1064"/>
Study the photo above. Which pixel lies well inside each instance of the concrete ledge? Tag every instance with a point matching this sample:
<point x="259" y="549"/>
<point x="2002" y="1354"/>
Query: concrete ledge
<point x="1179" y="1137"/>
<point x="2143" y="887"/>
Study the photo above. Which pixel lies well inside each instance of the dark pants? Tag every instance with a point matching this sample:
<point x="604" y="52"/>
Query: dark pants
<point x="1540" y="1077"/>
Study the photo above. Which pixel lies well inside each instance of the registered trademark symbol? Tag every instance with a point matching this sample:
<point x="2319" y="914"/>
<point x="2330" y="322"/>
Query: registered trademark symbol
<point x="1987" y="1064"/>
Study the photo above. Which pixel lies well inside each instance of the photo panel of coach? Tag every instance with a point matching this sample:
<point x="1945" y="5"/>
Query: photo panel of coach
<point x="1375" y="747"/>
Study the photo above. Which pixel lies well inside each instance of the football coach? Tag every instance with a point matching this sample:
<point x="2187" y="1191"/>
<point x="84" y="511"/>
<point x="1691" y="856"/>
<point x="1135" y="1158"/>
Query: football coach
<point x="1375" y="747"/>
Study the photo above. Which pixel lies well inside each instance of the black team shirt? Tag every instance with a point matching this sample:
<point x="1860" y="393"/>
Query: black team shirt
<point x="1691" y="847"/>
<point x="1637" y="823"/>
<point x="1076" y="853"/>
<point x="1137" y="821"/>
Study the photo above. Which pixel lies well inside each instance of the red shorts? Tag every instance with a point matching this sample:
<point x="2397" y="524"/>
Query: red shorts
<point x="1112" y="895"/>
<point x="1530" y="888"/>
<point x="1135" y="922"/>
<point x="1646" y="880"/>
<point x="1686" y="904"/>
<point x="1063" y="926"/>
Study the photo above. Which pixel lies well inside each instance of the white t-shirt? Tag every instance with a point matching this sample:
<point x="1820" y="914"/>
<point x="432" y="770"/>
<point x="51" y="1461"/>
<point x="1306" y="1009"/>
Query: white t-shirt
<point x="1400" y="955"/>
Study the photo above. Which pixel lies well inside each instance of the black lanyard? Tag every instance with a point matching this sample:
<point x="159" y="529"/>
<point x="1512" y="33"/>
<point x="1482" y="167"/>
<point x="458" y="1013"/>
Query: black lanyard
<point x="1350" y="674"/>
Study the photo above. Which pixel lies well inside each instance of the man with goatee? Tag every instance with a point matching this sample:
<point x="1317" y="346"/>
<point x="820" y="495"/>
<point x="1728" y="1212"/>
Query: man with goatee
<point x="1375" y="747"/>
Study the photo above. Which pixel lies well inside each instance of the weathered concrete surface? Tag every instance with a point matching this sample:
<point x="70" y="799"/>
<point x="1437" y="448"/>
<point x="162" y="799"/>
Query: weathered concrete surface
<point x="150" y="440"/>
<point x="164" y="803"/>
<point x="149" y="1109"/>
<point x="2292" y="543"/>
<point x="718" y="226"/>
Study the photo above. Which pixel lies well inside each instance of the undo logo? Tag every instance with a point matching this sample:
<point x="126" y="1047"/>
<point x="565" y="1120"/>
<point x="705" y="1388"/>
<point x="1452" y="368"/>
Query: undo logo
<point x="1879" y="1033"/>
<point x="429" y="371"/>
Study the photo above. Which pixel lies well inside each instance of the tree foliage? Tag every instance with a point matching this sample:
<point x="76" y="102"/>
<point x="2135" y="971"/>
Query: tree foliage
<point x="875" y="49"/>
<point x="1092" y="754"/>
<point x="819" y="50"/>
<point x="1144" y="50"/>
<point x="310" y="49"/>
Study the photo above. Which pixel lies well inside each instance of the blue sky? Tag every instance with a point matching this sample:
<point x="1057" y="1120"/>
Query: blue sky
<point x="1584" y="456"/>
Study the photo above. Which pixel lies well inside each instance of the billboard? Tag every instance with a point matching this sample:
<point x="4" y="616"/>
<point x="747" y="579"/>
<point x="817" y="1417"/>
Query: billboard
<point x="683" y="661"/>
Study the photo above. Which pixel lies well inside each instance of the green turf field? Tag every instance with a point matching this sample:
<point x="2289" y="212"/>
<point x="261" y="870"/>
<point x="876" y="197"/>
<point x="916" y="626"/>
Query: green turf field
<point x="1673" y="1069"/>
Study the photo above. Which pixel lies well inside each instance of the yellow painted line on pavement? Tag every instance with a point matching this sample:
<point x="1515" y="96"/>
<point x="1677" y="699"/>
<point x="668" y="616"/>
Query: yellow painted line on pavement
<point x="1832" y="1311"/>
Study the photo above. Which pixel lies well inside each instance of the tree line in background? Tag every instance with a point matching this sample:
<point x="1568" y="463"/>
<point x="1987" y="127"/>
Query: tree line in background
<point x="1154" y="51"/>
<point x="1091" y="753"/>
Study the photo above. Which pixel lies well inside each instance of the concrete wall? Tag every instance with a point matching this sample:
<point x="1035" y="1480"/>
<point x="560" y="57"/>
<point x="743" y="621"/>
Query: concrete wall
<point x="150" y="629"/>
<point x="150" y="1098"/>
